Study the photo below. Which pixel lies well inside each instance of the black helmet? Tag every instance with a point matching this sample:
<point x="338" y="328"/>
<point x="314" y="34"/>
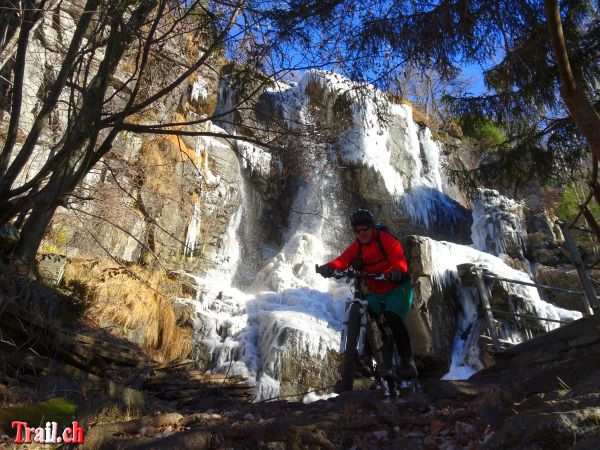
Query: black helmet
<point x="362" y="217"/>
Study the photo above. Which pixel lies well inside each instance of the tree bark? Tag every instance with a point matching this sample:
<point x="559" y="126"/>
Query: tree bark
<point x="575" y="99"/>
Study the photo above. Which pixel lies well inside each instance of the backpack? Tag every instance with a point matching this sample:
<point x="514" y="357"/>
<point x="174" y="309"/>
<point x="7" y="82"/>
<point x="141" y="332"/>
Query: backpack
<point x="382" y="227"/>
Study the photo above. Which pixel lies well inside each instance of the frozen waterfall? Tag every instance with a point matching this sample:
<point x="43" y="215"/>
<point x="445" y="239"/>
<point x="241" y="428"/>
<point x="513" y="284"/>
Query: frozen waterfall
<point x="287" y="311"/>
<point x="383" y="136"/>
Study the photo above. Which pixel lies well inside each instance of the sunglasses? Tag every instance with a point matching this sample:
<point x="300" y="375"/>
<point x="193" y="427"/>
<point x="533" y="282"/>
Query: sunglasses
<point x="358" y="230"/>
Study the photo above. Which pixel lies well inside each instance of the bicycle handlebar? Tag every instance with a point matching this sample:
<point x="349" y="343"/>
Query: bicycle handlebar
<point x="351" y="273"/>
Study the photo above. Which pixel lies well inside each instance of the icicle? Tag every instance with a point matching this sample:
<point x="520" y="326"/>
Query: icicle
<point x="496" y="223"/>
<point x="199" y="89"/>
<point x="192" y="232"/>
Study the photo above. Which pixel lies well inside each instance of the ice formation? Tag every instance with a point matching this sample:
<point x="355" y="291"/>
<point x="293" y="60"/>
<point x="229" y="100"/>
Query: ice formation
<point x="496" y="223"/>
<point x="382" y="136"/>
<point x="465" y="358"/>
<point x="289" y="310"/>
<point x="199" y="89"/>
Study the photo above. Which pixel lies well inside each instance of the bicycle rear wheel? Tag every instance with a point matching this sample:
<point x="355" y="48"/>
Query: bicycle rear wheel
<point x="351" y="353"/>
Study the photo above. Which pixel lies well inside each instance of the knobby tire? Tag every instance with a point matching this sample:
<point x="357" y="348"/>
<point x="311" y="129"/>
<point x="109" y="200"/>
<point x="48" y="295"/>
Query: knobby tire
<point x="351" y="353"/>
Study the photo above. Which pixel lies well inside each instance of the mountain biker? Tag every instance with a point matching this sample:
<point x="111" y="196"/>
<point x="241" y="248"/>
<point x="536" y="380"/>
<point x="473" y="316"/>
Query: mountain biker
<point x="377" y="251"/>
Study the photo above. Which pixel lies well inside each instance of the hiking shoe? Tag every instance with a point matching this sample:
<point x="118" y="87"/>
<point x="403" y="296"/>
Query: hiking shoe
<point x="408" y="369"/>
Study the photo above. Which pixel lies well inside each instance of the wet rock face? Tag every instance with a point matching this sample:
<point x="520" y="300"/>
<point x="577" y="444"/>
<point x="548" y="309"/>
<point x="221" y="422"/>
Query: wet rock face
<point x="562" y="278"/>
<point x="545" y="251"/>
<point x="544" y="239"/>
<point x="432" y="321"/>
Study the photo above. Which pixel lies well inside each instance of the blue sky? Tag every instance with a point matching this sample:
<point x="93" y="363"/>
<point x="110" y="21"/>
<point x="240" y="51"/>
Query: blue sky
<point x="474" y="73"/>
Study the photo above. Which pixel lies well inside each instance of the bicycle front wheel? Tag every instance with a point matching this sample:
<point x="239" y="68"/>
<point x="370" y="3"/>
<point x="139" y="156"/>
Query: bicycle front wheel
<point x="351" y="353"/>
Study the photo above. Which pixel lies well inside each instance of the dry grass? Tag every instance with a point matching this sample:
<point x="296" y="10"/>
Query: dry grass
<point x="418" y="116"/>
<point x="15" y="395"/>
<point x="139" y="310"/>
<point x="115" y="413"/>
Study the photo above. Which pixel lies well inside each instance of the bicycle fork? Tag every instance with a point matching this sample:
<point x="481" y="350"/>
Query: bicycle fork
<point x="363" y="325"/>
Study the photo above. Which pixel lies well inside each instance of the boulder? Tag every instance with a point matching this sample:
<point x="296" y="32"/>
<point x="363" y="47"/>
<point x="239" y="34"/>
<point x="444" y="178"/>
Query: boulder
<point x="432" y="320"/>
<point x="51" y="267"/>
<point x="292" y="362"/>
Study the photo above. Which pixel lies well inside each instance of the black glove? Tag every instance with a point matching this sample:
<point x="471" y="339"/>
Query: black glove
<point x="325" y="271"/>
<point x="396" y="276"/>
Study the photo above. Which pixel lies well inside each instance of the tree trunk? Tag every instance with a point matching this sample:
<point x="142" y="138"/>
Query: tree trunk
<point x="85" y="127"/>
<point x="5" y="87"/>
<point x="32" y="234"/>
<point x="9" y="31"/>
<point x="8" y="178"/>
<point x="576" y="101"/>
<point x="29" y="19"/>
<point x="61" y="184"/>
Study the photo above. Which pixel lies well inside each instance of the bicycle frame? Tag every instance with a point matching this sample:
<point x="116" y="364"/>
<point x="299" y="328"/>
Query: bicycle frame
<point x="366" y="330"/>
<point x="370" y="329"/>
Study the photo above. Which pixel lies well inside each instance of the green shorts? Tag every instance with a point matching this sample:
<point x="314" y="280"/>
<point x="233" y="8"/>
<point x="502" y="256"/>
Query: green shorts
<point x="398" y="300"/>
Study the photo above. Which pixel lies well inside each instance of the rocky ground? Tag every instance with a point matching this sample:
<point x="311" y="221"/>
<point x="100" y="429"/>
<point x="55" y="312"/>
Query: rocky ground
<point x="444" y="415"/>
<point x="360" y="419"/>
<point x="543" y="394"/>
<point x="481" y="413"/>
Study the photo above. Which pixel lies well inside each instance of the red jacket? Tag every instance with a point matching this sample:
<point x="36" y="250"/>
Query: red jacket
<point x="373" y="260"/>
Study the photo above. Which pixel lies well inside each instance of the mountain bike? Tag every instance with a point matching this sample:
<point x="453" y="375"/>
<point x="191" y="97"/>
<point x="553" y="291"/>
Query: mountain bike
<point x="365" y="338"/>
